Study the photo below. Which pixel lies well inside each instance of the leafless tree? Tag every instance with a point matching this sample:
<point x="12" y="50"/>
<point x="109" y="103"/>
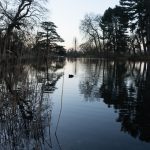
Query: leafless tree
<point x="91" y="29"/>
<point x="19" y="15"/>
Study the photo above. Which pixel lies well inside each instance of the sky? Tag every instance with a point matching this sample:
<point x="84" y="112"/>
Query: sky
<point x="67" y="15"/>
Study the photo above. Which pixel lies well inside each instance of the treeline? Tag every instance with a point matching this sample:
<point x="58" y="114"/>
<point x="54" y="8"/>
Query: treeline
<point x="123" y="30"/>
<point x="19" y="22"/>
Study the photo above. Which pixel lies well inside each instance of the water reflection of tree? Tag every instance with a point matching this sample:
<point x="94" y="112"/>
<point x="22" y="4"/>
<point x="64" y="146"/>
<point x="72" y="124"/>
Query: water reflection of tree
<point x="127" y="90"/>
<point x="25" y="107"/>
<point x="124" y="86"/>
<point x="90" y="85"/>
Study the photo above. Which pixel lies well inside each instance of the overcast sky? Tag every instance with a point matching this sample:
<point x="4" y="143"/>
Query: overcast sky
<point x="67" y="14"/>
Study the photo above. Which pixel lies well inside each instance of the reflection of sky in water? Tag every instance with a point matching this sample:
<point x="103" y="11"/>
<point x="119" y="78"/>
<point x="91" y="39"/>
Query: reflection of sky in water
<point x="86" y="121"/>
<point x="104" y="105"/>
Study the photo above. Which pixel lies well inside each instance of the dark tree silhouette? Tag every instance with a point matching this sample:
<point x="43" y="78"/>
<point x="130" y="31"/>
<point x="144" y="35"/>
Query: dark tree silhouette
<point x="48" y="38"/>
<point x="23" y="14"/>
<point x="114" y="24"/>
<point x="137" y="16"/>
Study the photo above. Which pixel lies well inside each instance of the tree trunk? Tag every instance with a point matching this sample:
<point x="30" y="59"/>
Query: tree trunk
<point x="141" y="33"/>
<point x="95" y="42"/>
<point x="139" y="44"/>
<point x="100" y="47"/>
<point x="103" y="42"/>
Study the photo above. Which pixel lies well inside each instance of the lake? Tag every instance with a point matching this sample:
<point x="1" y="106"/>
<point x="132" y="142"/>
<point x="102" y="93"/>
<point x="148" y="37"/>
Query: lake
<point x="104" y="105"/>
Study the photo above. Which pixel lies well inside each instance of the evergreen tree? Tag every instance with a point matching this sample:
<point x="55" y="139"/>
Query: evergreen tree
<point x="147" y="6"/>
<point x="114" y="25"/>
<point x="137" y="20"/>
<point x="48" y="38"/>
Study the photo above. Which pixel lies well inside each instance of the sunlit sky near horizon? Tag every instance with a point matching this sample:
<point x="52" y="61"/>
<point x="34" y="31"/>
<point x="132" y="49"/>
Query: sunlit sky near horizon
<point x="67" y="15"/>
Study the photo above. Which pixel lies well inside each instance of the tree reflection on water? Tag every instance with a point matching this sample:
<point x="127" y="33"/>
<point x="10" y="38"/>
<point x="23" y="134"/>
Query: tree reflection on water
<point x="125" y="86"/>
<point x="25" y="105"/>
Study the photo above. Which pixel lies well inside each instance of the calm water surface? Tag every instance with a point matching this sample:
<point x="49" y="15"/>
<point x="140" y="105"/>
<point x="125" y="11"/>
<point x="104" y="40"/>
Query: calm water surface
<point x="106" y="105"/>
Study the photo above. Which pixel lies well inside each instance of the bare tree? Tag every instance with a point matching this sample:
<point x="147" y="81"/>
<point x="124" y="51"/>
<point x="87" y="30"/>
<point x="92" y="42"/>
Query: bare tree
<point x="19" y="15"/>
<point x="90" y="27"/>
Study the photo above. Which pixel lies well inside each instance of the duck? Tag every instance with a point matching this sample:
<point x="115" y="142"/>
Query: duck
<point x="71" y="76"/>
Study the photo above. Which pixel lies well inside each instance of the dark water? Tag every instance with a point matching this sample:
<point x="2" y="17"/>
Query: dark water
<point x="106" y="105"/>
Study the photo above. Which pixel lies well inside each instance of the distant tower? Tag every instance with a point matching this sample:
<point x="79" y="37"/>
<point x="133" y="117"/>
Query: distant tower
<point x="75" y="43"/>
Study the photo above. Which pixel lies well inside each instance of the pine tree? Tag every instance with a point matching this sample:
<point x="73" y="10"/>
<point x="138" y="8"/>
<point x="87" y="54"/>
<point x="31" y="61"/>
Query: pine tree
<point x="48" y="38"/>
<point x="114" y="25"/>
<point x="137" y="20"/>
<point x="147" y="6"/>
